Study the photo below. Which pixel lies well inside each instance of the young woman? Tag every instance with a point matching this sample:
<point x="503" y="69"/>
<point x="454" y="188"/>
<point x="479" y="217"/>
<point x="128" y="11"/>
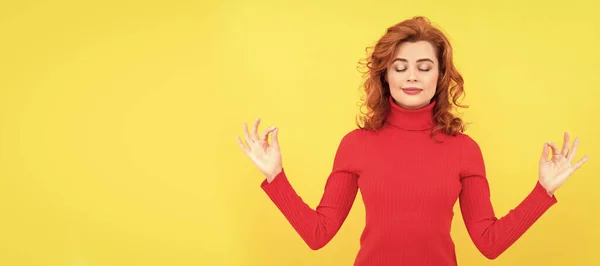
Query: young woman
<point x="411" y="161"/>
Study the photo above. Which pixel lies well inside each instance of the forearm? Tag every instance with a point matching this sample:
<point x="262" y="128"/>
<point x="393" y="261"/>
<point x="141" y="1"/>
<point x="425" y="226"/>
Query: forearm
<point x="493" y="236"/>
<point x="316" y="226"/>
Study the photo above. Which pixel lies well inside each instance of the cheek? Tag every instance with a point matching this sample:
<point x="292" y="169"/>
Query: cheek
<point x="432" y="81"/>
<point x="392" y="80"/>
<point x="396" y="78"/>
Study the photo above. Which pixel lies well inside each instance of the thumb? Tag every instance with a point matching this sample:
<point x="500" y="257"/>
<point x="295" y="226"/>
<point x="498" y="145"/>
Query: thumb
<point x="545" y="153"/>
<point x="276" y="138"/>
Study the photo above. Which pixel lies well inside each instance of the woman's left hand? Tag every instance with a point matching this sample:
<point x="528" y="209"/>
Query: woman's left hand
<point x="555" y="171"/>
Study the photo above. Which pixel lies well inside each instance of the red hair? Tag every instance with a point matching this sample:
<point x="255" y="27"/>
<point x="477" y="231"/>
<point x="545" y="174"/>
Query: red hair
<point x="377" y="91"/>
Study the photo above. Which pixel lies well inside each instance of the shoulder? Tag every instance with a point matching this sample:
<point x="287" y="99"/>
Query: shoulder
<point x="466" y="147"/>
<point x="348" y="149"/>
<point x="356" y="135"/>
<point x="470" y="156"/>
<point x="467" y="143"/>
<point x="355" y="139"/>
<point x="470" y="150"/>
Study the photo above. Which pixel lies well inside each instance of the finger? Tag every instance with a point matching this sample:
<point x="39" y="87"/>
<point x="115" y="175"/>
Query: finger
<point x="545" y="153"/>
<point x="265" y="134"/>
<point x="255" y="129"/>
<point x="246" y="134"/>
<point x="580" y="162"/>
<point x="573" y="150"/>
<point x="554" y="149"/>
<point x="242" y="145"/>
<point x="276" y="138"/>
<point x="565" y="146"/>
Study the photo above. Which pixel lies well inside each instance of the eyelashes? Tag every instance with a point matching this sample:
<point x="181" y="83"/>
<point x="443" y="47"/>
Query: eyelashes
<point x="402" y="70"/>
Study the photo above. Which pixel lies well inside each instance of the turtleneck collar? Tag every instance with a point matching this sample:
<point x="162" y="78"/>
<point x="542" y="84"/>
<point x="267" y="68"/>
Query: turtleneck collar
<point x="410" y="119"/>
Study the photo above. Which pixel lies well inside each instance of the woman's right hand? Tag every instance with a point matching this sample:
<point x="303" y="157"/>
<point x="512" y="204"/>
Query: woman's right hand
<point x="267" y="157"/>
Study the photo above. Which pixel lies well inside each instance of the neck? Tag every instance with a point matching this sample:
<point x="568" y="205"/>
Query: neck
<point x="410" y="119"/>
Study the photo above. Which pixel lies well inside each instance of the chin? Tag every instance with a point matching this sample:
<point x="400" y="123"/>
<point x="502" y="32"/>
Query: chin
<point x="412" y="103"/>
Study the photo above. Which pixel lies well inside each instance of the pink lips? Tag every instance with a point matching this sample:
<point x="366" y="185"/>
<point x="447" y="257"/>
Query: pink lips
<point x="411" y="91"/>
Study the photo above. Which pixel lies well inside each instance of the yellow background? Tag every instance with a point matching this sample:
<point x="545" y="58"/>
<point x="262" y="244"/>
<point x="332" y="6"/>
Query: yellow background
<point x="118" y="122"/>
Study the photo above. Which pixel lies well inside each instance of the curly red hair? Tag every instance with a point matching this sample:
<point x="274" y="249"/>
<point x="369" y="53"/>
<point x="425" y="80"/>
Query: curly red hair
<point x="377" y="91"/>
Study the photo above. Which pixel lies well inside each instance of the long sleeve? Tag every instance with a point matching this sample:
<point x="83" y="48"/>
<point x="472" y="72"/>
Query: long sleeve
<point x="318" y="226"/>
<point x="492" y="235"/>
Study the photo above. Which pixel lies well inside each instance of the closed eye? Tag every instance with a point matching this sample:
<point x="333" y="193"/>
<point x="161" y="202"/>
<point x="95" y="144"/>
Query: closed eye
<point x="421" y="69"/>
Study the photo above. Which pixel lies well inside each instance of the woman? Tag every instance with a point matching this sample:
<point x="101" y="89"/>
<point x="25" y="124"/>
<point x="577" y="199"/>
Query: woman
<point x="411" y="161"/>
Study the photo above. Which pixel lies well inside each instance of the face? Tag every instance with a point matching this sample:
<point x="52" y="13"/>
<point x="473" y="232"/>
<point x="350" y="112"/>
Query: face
<point x="413" y="74"/>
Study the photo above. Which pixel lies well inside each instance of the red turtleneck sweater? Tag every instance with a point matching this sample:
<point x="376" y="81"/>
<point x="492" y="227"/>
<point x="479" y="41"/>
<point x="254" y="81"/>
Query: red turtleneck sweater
<point x="409" y="184"/>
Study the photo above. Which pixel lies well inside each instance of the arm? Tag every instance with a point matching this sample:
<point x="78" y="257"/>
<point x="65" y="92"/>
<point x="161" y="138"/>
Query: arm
<point x="318" y="226"/>
<point x="492" y="235"/>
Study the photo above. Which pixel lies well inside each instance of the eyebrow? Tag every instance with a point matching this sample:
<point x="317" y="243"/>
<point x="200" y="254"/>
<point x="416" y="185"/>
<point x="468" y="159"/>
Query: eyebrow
<point x="420" y="60"/>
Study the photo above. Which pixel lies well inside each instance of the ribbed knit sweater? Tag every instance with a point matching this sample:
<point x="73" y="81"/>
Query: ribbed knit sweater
<point x="409" y="184"/>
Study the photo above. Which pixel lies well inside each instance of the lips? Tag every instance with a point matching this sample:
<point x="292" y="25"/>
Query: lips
<point x="411" y="90"/>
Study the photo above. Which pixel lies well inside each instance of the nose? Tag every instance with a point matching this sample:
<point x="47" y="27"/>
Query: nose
<point x="412" y="77"/>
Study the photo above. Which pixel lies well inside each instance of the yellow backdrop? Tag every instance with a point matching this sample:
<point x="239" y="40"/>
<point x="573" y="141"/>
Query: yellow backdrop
<point x="118" y="122"/>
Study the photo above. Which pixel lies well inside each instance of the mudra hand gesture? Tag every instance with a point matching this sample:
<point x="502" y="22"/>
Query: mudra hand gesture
<point x="267" y="157"/>
<point x="554" y="172"/>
